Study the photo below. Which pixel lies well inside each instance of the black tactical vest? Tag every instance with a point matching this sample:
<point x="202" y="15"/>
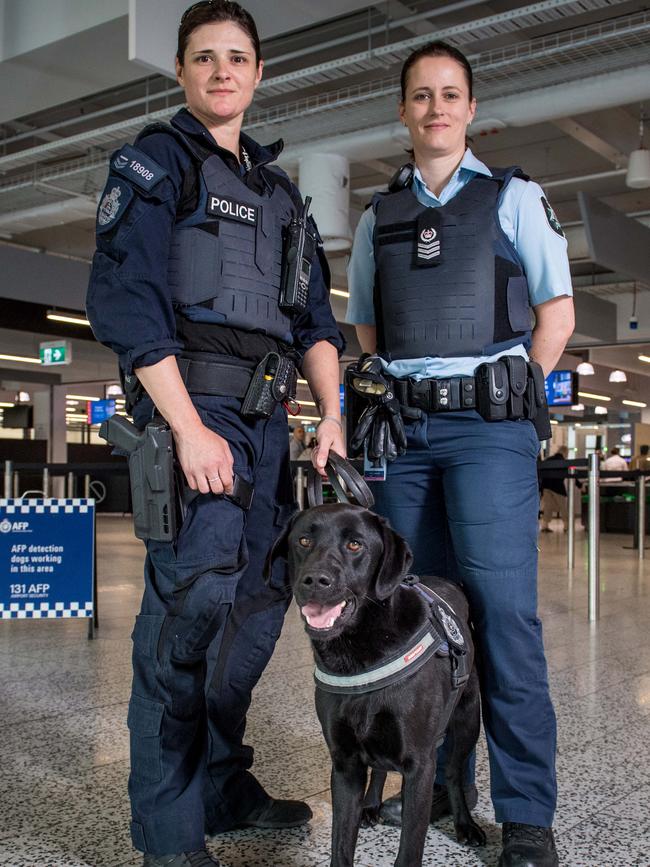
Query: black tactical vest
<point x="448" y="281"/>
<point x="225" y="258"/>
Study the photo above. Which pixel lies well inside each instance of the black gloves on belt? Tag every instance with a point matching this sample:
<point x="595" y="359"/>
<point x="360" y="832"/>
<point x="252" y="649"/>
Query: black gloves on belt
<point x="380" y="425"/>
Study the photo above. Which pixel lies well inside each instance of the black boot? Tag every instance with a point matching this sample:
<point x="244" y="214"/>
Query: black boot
<point x="527" y="846"/>
<point x="202" y="858"/>
<point x="390" y="811"/>
<point x="272" y="813"/>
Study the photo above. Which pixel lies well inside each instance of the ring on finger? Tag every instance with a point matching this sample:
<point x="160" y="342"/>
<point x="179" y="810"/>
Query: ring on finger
<point x="215" y="479"/>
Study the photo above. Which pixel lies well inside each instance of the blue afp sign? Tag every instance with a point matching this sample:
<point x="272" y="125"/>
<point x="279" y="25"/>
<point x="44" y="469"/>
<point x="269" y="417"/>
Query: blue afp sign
<point x="46" y="558"/>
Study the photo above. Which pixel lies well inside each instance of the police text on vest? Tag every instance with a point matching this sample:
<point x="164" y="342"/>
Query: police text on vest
<point x="231" y="209"/>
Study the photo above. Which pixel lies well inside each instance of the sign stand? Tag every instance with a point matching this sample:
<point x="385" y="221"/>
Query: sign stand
<point x="48" y="560"/>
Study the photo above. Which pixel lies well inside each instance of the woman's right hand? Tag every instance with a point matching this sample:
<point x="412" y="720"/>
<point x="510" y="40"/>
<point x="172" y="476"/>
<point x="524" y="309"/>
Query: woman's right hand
<point x="206" y="459"/>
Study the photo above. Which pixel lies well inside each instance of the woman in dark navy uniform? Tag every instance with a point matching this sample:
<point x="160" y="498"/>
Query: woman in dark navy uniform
<point x="444" y="271"/>
<point x="184" y="287"/>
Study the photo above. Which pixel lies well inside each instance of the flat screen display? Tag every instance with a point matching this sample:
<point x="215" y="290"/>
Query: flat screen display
<point x="561" y="388"/>
<point x="19" y="417"/>
<point x="100" y="410"/>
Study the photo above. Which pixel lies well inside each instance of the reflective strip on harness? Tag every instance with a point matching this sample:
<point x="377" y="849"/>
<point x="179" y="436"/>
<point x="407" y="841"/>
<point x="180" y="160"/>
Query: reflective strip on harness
<point x="425" y="646"/>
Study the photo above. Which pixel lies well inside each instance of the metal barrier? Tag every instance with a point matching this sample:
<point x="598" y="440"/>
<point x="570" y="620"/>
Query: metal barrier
<point x="640" y="514"/>
<point x="593" y="593"/>
<point x="300" y="487"/>
<point x="571" y="519"/>
<point x="70" y="472"/>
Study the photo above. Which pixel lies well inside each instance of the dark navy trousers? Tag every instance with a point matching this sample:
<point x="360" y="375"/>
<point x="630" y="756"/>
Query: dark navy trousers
<point x="465" y="497"/>
<point x="206" y="630"/>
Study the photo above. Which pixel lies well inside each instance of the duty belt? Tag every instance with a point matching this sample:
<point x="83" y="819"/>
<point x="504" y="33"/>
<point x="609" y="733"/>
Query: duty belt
<point x="206" y="374"/>
<point x="437" y="395"/>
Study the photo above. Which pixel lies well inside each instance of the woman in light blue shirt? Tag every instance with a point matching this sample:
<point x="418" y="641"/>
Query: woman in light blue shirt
<point x="443" y="275"/>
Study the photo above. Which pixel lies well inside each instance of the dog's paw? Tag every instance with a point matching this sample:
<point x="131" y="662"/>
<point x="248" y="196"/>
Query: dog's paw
<point x="470" y="834"/>
<point x="369" y="817"/>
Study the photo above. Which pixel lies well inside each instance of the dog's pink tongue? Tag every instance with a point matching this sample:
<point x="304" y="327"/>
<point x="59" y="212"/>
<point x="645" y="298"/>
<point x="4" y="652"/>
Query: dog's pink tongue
<point x="321" y="616"/>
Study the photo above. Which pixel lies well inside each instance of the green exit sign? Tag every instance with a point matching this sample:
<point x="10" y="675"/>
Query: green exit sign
<point x="55" y="352"/>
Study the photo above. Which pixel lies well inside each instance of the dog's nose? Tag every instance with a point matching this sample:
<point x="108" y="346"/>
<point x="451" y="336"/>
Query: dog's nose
<point x="313" y="580"/>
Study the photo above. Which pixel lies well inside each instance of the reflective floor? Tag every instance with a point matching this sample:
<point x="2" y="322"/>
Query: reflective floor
<point x="64" y="747"/>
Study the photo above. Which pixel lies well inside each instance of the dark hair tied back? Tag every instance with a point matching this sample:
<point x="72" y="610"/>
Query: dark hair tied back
<point x="211" y="12"/>
<point x="437" y="49"/>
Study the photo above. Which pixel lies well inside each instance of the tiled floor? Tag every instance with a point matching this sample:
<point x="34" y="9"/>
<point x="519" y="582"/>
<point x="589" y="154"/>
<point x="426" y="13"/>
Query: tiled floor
<point x="64" y="751"/>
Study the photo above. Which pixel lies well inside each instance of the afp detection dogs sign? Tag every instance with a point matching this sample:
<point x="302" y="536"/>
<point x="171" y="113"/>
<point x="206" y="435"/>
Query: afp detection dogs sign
<point x="46" y="558"/>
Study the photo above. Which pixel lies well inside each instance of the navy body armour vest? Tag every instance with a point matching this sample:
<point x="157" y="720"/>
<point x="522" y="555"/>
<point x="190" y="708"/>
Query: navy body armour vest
<point x="448" y="280"/>
<point x="225" y="259"/>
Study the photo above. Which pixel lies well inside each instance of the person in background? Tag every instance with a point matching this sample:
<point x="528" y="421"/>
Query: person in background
<point x="614" y="461"/>
<point x="554" y="496"/>
<point x="307" y="453"/>
<point x="297" y="443"/>
<point x="642" y="460"/>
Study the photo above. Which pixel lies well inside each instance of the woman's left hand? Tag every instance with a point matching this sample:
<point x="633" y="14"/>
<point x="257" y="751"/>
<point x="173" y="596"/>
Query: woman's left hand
<point x="329" y="436"/>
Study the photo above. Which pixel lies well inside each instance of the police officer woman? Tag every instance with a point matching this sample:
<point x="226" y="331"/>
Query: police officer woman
<point x="185" y="287"/>
<point x="456" y="254"/>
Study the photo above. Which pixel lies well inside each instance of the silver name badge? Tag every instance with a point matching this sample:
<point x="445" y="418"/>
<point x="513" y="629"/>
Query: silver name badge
<point x="231" y="209"/>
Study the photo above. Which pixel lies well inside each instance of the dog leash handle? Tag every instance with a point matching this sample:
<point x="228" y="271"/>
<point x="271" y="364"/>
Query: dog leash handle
<point x="337" y="469"/>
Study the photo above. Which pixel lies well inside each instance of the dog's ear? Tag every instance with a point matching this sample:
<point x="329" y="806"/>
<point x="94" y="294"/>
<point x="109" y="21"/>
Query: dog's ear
<point x="278" y="549"/>
<point x="394" y="562"/>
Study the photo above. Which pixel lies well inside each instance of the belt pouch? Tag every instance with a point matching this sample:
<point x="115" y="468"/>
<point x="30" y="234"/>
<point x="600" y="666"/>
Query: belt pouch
<point x="492" y="390"/>
<point x="518" y="380"/>
<point x="273" y="382"/>
<point x="537" y="406"/>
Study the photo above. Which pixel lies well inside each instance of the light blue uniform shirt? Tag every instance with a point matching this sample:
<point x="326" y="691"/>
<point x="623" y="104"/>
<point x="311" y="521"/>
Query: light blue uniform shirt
<point x="543" y="253"/>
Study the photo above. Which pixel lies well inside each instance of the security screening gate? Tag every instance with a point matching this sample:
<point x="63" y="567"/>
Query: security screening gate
<point x="47" y="559"/>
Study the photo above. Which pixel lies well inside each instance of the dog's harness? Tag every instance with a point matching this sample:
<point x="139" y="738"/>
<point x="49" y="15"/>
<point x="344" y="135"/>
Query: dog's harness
<point x="441" y="635"/>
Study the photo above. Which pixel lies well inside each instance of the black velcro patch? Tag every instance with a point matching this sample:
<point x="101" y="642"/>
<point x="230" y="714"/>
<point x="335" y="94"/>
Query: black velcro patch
<point x="429" y="238"/>
<point x="138" y="168"/>
<point x="231" y="209"/>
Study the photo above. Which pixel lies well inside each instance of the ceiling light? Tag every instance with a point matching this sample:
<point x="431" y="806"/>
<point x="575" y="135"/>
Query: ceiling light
<point x="645" y="358"/>
<point x="578" y="407"/>
<point x="617" y="376"/>
<point x="638" y="166"/>
<point x="2" y="403"/>
<point x="600" y="410"/>
<point x="634" y="403"/>
<point x="638" y="169"/>
<point x="585" y="368"/>
<point x="22" y="397"/>
<point x="114" y="389"/>
<point x="86" y="397"/>
<point x="594" y="396"/>
<point x="71" y="318"/>
<point x="20" y="358"/>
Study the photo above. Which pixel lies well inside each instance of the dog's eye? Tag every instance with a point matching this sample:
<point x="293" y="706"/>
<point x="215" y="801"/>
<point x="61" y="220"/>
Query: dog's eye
<point x="354" y="546"/>
<point x="305" y="541"/>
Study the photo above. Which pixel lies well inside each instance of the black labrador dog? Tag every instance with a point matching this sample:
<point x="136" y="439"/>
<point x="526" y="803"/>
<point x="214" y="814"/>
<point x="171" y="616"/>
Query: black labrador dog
<point x="347" y="568"/>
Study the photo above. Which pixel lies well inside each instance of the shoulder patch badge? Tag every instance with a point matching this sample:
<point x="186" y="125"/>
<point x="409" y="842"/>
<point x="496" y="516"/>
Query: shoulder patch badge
<point x="113" y="203"/>
<point x="553" y="221"/>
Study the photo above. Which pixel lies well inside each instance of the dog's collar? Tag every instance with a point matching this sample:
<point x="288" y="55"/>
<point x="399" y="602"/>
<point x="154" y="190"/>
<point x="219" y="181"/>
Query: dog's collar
<point x="440" y="635"/>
